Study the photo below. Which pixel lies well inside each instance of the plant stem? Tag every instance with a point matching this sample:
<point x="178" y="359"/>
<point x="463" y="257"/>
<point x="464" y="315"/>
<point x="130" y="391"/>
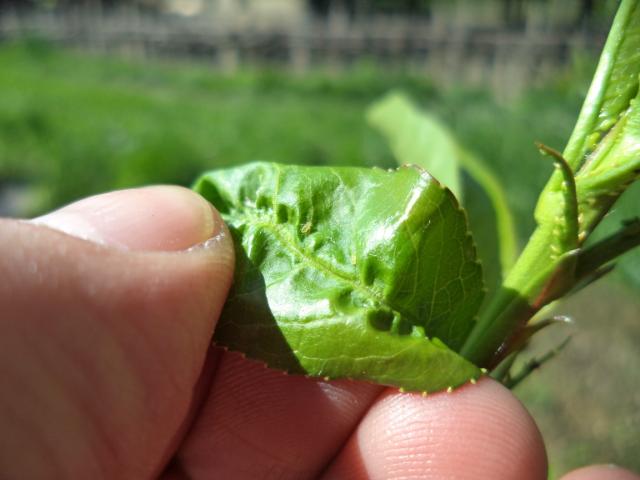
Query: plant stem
<point x="546" y="268"/>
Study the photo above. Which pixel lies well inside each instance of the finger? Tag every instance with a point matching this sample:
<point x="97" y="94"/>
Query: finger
<point x="601" y="472"/>
<point x="260" y="423"/>
<point x="162" y="218"/>
<point x="478" y="431"/>
<point x="102" y="348"/>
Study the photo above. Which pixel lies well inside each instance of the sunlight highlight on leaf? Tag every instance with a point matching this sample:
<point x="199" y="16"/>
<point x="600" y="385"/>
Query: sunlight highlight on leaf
<point x="348" y="272"/>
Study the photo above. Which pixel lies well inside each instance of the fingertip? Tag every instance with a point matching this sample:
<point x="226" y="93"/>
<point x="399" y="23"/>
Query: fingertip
<point x="601" y="472"/>
<point x="156" y="218"/>
<point x="109" y="301"/>
<point x="87" y="325"/>
<point x="478" y="431"/>
<point x="173" y="255"/>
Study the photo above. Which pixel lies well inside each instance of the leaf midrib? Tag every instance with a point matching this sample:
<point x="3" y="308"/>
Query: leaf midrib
<point x="283" y="235"/>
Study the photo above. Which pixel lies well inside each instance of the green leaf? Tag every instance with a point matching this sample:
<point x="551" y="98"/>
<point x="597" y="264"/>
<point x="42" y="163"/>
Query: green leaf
<point x="611" y="168"/>
<point x="418" y="138"/>
<point x="506" y="229"/>
<point x="614" y="84"/>
<point x="348" y="272"/>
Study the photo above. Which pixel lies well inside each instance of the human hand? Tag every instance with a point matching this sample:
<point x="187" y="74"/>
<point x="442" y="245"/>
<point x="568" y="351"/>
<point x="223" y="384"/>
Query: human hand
<point x="106" y="369"/>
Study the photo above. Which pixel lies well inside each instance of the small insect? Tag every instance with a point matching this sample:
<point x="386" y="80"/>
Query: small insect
<point x="306" y="228"/>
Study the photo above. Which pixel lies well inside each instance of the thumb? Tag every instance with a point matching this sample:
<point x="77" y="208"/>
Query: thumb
<point x="107" y="308"/>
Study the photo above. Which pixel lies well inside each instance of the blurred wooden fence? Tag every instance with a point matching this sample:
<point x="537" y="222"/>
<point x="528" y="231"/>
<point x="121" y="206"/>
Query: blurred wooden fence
<point x="505" y="60"/>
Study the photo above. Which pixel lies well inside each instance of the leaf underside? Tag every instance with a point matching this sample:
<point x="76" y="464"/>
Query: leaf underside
<point x="348" y="273"/>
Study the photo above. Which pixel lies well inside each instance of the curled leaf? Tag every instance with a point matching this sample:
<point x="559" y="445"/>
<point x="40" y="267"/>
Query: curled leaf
<point x="348" y="272"/>
<point x="418" y="137"/>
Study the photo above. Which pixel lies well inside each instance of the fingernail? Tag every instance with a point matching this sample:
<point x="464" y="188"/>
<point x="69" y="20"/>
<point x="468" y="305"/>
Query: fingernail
<point x="162" y="218"/>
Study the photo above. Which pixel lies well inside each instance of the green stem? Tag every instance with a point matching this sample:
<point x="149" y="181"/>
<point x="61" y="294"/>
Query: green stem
<point x="609" y="248"/>
<point x="534" y="364"/>
<point x="510" y="307"/>
<point x="548" y="249"/>
<point x="547" y="265"/>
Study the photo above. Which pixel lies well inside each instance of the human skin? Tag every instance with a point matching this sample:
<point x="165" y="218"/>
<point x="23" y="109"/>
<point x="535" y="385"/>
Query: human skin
<point x="107" y="308"/>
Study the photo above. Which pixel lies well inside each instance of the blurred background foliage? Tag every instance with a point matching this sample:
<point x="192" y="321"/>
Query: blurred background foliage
<point x="97" y="95"/>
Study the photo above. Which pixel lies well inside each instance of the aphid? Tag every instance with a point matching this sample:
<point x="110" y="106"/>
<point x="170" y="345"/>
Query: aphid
<point x="306" y="228"/>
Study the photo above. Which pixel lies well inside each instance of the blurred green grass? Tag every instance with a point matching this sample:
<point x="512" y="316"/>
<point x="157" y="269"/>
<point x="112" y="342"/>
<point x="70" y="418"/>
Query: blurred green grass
<point x="73" y="124"/>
